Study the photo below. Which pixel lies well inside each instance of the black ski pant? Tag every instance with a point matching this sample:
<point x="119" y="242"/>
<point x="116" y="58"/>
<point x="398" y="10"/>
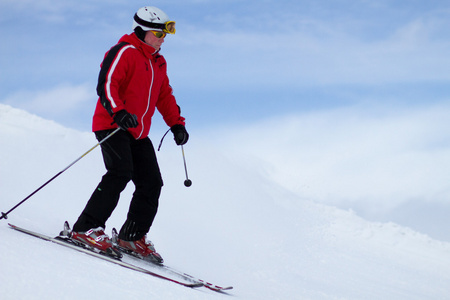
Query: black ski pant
<point x="125" y="159"/>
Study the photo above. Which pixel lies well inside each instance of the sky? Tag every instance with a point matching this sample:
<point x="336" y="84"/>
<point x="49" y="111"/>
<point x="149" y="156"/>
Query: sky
<point x="236" y="61"/>
<point x="354" y="94"/>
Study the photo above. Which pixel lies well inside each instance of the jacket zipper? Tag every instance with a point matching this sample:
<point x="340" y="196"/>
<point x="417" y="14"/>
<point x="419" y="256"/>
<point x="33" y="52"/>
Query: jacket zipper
<point x="149" y="99"/>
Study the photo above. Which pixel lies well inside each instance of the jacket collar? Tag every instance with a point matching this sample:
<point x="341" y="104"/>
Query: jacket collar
<point x="147" y="50"/>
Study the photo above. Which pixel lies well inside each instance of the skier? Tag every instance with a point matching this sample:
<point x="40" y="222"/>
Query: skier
<point x="132" y="82"/>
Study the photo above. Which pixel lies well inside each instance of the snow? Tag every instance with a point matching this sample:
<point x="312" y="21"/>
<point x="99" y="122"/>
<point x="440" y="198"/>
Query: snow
<point x="233" y="226"/>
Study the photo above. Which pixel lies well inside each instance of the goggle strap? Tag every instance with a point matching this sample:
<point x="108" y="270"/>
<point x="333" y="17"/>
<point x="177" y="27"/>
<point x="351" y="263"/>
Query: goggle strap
<point x="149" y="24"/>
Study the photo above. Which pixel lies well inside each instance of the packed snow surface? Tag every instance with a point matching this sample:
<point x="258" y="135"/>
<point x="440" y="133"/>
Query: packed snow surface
<point x="233" y="226"/>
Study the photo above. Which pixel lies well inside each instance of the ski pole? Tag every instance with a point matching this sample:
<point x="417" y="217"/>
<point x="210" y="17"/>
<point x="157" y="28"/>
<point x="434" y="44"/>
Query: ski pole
<point x="187" y="182"/>
<point x="5" y="215"/>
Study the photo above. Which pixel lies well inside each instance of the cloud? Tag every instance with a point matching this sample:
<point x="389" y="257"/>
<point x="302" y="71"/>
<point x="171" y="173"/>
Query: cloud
<point x="364" y="156"/>
<point x="239" y="53"/>
<point x="240" y="45"/>
<point x="311" y="50"/>
<point x="65" y="103"/>
<point x="384" y="162"/>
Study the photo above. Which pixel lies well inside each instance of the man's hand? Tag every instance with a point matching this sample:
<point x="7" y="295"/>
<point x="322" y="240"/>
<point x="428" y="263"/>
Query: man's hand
<point x="125" y="120"/>
<point x="180" y="134"/>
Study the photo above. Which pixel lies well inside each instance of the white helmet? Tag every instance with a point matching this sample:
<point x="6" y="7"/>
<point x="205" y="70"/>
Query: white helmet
<point x="152" y="18"/>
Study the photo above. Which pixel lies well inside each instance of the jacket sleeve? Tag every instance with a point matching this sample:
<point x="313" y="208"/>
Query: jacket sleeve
<point x="167" y="104"/>
<point x="112" y="74"/>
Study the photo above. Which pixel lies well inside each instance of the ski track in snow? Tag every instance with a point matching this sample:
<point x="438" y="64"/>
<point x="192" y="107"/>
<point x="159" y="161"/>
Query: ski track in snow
<point x="232" y="227"/>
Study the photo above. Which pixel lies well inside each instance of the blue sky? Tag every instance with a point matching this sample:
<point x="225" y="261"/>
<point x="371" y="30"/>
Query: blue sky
<point x="344" y="102"/>
<point x="232" y="61"/>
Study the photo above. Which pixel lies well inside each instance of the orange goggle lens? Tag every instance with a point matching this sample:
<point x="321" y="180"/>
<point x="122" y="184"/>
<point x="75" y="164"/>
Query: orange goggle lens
<point x="159" y="34"/>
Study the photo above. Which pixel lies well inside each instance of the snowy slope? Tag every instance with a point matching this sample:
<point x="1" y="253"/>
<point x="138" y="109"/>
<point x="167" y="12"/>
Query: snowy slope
<point x="233" y="227"/>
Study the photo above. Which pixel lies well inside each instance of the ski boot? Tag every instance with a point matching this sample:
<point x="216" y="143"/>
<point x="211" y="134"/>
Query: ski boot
<point x="143" y="248"/>
<point x="94" y="239"/>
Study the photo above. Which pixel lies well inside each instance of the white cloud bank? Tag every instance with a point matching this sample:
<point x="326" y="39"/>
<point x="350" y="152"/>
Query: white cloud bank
<point x="66" y="104"/>
<point x="383" y="162"/>
<point x="319" y="54"/>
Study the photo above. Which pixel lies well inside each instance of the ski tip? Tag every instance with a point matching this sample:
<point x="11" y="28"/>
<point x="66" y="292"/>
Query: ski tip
<point x="218" y="288"/>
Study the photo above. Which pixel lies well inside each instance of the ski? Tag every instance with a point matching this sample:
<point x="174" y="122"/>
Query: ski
<point x="70" y="244"/>
<point x="175" y="272"/>
<point x="168" y="270"/>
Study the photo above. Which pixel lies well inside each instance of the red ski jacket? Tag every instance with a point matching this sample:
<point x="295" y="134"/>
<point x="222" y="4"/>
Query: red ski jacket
<point x="133" y="76"/>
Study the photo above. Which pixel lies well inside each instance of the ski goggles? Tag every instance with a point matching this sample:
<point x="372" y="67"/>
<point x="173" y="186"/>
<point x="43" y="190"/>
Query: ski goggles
<point x="168" y="27"/>
<point x="159" y="34"/>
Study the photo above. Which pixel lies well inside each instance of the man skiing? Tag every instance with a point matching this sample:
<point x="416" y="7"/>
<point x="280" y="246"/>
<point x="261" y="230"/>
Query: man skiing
<point x="132" y="82"/>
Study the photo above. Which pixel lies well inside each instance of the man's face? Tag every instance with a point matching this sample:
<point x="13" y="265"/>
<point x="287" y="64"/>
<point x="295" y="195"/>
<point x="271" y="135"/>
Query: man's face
<point x="153" y="41"/>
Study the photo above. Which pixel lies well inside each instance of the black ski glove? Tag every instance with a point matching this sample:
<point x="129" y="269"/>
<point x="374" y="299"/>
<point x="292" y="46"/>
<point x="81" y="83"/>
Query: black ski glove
<point x="125" y="120"/>
<point x="180" y="134"/>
